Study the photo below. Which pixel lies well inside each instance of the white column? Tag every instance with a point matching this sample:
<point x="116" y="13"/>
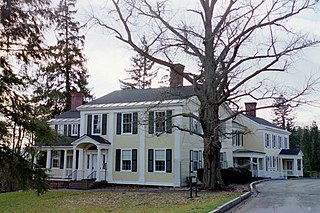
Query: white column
<point x="80" y="166"/>
<point x="295" y="166"/>
<point x="264" y="168"/>
<point x="98" y="164"/>
<point x="142" y="162"/>
<point x="74" y="160"/>
<point x="281" y="164"/>
<point x="48" y="163"/>
<point x="258" y="166"/>
<point x="111" y="132"/>
<point x="177" y="148"/>
<point x="64" y="175"/>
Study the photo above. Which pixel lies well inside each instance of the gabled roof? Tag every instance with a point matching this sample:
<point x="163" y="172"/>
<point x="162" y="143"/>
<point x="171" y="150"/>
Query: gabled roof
<point x="69" y="114"/>
<point x="289" y="152"/>
<point x="141" y="95"/>
<point x="247" y="151"/>
<point x="262" y="121"/>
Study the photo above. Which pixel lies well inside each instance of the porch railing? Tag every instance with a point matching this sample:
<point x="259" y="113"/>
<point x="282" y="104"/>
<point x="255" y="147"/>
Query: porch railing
<point x="92" y="175"/>
<point x="73" y="175"/>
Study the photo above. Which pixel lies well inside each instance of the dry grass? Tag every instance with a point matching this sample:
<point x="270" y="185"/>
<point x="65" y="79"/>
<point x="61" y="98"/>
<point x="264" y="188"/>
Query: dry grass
<point x="84" y="201"/>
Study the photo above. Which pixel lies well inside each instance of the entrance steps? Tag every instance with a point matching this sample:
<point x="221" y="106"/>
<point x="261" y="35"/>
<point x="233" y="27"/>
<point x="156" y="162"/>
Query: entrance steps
<point x="84" y="184"/>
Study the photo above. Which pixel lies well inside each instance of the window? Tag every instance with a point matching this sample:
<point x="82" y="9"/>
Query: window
<point x="237" y="138"/>
<point x="280" y="142"/>
<point x="223" y="160"/>
<point x="160" y="160"/>
<point x="195" y="126"/>
<point x="56" y="159"/>
<point x="126" y="160"/>
<point x="285" y="143"/>
<point x="74" y="129"/>
<point x="274" y="141"/>
<point x="160" y="121"/>
<point x="267" y="140"/>
<point x="96" y="124"/>
<point x="127" y="123"/>
<point x="195" y="160"/>
<point x="299" y="164"/>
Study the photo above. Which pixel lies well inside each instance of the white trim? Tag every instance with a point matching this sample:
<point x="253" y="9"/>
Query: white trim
<point x="121" y="159"/>
<point x="154" y="161"/>
<point x="131" y="129"/>
<point x="110" y="151"/>
<point x="142" y="164"/>
<point x="92" y="124"/>
<point x="177" y="149"/>
<point x="144" y="183"/>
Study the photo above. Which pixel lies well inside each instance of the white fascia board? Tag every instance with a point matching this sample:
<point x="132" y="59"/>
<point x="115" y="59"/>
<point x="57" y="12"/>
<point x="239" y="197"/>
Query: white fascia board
<point x="63" y="120"/>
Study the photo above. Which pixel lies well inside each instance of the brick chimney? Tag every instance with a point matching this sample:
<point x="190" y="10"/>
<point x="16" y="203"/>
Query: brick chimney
<point x="251" y="108"/>
<point x="76" y="99"/>
<point x="176" y="80"/>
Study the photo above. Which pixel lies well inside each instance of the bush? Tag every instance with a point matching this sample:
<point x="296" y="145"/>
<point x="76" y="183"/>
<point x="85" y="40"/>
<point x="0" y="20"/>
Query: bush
<point x="200" y="174"/>
<point x="236" y="175"/>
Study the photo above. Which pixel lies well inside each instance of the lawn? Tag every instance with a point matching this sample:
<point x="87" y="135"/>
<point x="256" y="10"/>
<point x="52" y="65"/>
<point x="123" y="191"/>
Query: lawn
<point x="84" y="201"/>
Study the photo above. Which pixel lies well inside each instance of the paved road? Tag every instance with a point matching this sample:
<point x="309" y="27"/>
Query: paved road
<point x="284" y="196"/>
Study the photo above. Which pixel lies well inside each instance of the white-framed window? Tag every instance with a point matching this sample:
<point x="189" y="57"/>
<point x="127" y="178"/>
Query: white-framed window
<point x="280" y="142"/>
<point x="237" y="138"/>
<point x="56" y="159"/>
<point x="96" y="124"/>
<point x="60" y="129"/>
<point x="195" y="160"/>
<point x="267" y="140"/>
<point x="160" y="160"/>
<point x="274" y="141"/>
<point x="74" y="129"/>
<point x="160" y="121"/>
<point x="285" y="143"/>
<point x="126" y="160"/>
<point x="127" y="122"/>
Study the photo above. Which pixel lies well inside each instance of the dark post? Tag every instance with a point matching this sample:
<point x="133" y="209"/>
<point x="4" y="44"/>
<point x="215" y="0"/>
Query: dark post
<point x="196" y="192"/>
<point x="190" y="182"/>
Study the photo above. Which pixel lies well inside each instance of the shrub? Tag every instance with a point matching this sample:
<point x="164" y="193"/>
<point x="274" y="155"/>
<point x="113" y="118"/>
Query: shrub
<point x="235" y="175"/>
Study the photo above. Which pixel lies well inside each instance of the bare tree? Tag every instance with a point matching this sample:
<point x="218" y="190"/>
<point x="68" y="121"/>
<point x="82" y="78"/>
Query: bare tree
<point x="232" y="41"/>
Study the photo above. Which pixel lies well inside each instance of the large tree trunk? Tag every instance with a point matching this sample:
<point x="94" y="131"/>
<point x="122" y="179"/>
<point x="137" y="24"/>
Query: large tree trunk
<point x="209" y="115"/>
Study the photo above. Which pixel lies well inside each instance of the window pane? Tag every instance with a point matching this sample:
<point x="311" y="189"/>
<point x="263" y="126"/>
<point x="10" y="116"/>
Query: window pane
<point x="126" y="154"/>
<point x="126" y="165"/>
<point x="97" y="124"/>
<point x="160" y="122"/>
<point x="127" y="123"/>
<point x="159" y="155"/>
<point x="160" y="165"/>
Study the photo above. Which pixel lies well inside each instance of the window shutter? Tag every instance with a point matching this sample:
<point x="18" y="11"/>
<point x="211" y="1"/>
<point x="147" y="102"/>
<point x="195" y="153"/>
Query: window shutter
<point x="168" y="160"/>
<point x="78" y="129"/>
<point x="51" y="158"/>
<point x="150" y="160"/>
<point x="191" y="125"/>
<point x="169" y="121"/>
<point x="56" y="127"/>
<point x="191" y="161"/>
<point x="134" y="160"/>
<point x="69" y="130"/>
<point x="65" y="129"/>
<point x="118" y="157"/>
<point x="89" y="125"/>
<point x="61" y="159"/>
<point x="77" y="159"/>
<point x="200" y="159"/>
<point x="135" y="123"/>
<point x="119" y="123"/>
<point x="104" y="124"/>
<point x="151" y="122"/>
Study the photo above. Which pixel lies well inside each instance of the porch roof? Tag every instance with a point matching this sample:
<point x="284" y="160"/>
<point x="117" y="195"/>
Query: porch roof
<point x="289" y="152"/>
<point x="247" y="151"/>
<point x="62" y="141"/>
<point x="95" y="139"/>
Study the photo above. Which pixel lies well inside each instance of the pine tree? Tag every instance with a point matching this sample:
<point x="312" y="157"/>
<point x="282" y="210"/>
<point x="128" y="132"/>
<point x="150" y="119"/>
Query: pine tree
<point x="141" y="73"/>
<point x="282" y="112"/>
<point x="66" y="70"/>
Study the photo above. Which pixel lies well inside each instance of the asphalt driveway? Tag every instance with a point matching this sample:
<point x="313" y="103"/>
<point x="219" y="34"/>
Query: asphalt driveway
<point x="284" y="196"/>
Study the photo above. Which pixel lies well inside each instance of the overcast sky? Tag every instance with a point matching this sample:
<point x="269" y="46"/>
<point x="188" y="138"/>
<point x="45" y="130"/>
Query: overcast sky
<point x="108" y="58"/>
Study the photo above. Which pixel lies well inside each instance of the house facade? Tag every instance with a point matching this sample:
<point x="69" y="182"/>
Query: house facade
<point x="137" y="137"/>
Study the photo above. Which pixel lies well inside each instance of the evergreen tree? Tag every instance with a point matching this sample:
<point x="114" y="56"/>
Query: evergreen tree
<point x="66" y="69"/>
<point x="141" y="73"/>
<point x="282" y="110"/>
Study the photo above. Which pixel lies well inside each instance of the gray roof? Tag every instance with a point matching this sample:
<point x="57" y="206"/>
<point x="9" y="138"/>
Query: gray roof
<point x="247" y="151"/>
<point x="69" y="114"/>
<point x="262" y="121"/>
<point x="289" y="152"/>
<point x="99" y="139"/>
<point x="141" y="95"/>
<point x="63" y="141"/>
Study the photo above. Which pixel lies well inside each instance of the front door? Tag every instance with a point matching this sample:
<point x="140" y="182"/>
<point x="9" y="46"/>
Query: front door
<point x="91" y="165"/>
